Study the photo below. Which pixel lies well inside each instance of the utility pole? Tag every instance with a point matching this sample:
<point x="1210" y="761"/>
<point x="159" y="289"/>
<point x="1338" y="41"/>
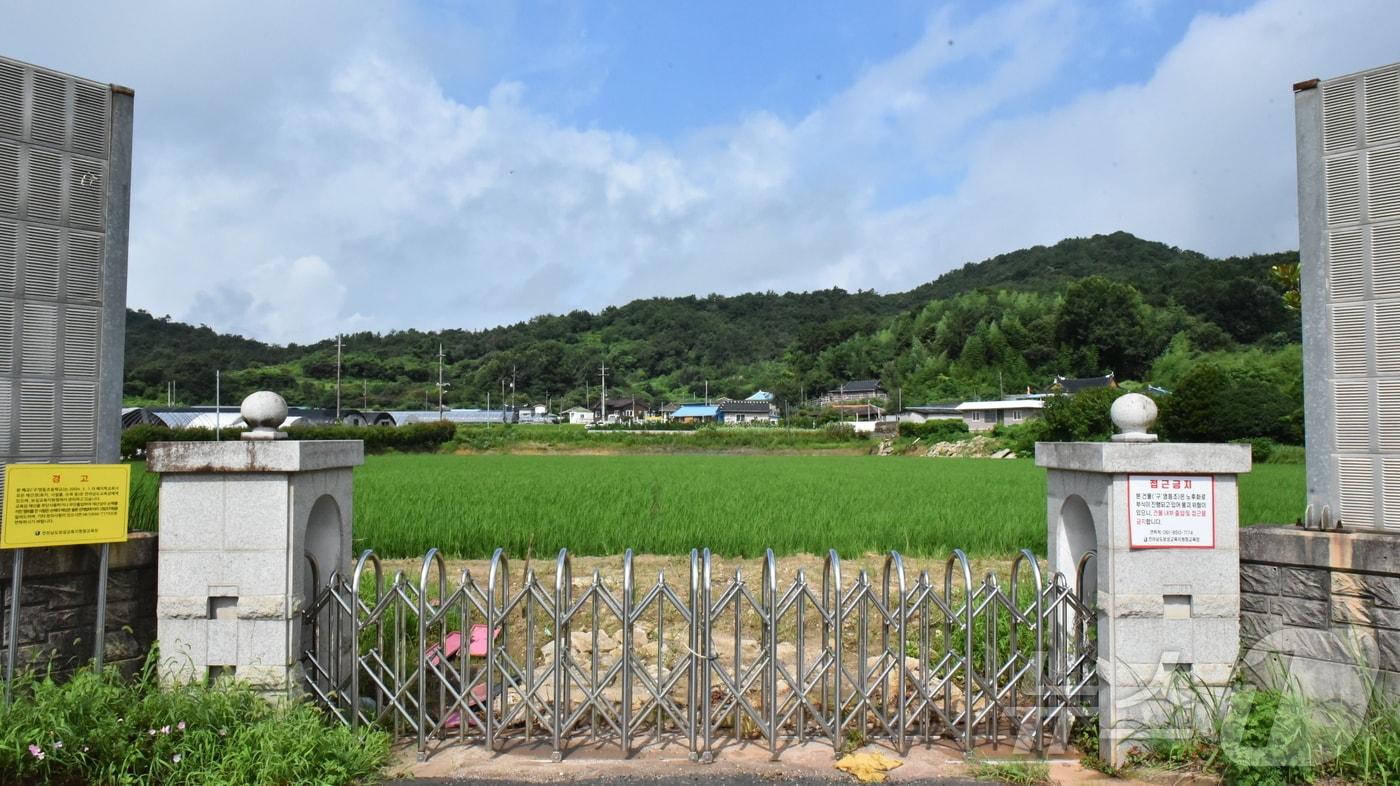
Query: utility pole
<point x="337" y="377"/>
<point x="440" y="383"/>
<point x="512" y="387"/>
<point x="707" y="392"/>
<point x="366" y="395"/>
<point x="603" y="397"/>
<point x="488" y="407"/>
<point x="218" y="408"/>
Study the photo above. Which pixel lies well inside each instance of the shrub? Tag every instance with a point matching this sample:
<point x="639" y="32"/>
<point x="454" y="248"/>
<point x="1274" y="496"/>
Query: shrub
<point x="1082" y="417"/>
<point x="1260" y="448"/>
<point x="1211" y="404"/>
<point x="413" y="438"/>
<point x="935" y="430"/>
<point x="103" y="728"/>
<point x="1021" y="437"/>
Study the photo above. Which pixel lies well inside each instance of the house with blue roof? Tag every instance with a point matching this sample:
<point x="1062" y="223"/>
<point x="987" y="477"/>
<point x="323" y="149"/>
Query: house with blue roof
<point x="696" y="413"/>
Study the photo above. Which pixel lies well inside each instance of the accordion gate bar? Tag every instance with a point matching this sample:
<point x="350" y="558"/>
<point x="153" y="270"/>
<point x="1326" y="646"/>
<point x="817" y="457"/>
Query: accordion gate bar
<point x="897" y="658"/>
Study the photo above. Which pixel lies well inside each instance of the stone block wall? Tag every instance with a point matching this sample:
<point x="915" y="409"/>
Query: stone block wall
<point x="1325" y="598"/>
<point x="58" y="603"/>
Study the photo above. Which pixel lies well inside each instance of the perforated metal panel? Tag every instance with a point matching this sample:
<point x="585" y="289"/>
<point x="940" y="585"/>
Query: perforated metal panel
<point x="1357" y="474"/>
<point x="1349" y="335"/>
<point x="1343" y="191"/>
<point x="1390" y="486"/>
<point x="62" y="268"/>
<point x="1349" y="192"/>
<point x="1348" y="277"/>
<point x="1383" y="107"/>
<point x="1339" y="116"/>
<point x="1385" y="260"/>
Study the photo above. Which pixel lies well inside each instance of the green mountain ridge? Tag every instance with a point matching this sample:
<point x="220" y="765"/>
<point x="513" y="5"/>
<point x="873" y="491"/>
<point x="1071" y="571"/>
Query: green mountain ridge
<point x="1002" y="324"/>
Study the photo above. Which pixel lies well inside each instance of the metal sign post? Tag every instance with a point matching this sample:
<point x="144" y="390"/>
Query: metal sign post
<point x="12" y="646"/>
<point x="104" y="554"/>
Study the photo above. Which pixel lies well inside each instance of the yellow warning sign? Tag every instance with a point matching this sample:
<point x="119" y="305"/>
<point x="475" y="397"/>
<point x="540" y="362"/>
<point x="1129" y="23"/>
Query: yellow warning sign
<point x="64" y="504"/>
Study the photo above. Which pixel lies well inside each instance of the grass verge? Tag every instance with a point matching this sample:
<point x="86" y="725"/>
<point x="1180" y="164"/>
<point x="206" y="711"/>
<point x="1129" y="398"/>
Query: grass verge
<point x="1019" y="773"/>
<point x="102" y="728"/>
<point x="1276" y="736"/>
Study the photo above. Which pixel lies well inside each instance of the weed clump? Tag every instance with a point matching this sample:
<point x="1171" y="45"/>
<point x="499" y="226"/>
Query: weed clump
<point x="102" y="728"/>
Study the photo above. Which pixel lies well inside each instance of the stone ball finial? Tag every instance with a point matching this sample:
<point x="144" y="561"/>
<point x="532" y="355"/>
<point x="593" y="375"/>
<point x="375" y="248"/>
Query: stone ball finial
<point x="1133" y="414"/>
<point x="263" y="412"/>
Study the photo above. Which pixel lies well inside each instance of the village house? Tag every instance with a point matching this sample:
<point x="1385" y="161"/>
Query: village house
<point x="922" y="413"/>
<point x="622" y="410"/>
<point x="696" y="414"/>
<point x="1067" y="386"/>
<point x="859" y="390"/>
<point x="746" y="412"/>
<point x="986" y="415"/>
<point x="579" y="416"/>
<point x="662" y="413"/>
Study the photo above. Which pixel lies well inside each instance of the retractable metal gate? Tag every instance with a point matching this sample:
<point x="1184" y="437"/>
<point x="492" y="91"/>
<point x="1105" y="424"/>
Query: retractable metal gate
<point x="841" y="658"/>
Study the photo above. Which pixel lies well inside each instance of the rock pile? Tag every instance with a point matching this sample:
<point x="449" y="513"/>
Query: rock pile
<point x="980" y="446"/>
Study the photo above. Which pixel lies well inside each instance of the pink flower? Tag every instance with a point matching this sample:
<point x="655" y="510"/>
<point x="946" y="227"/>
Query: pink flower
<point x="152" y="732"/>
<point x="180" y="725"/>
<point x="36" y="751"/>
<point x="164" y="729"/>
<point x="176" y="758"/>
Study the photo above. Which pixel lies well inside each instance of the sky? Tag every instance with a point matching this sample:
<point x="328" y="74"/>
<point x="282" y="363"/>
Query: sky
<point x="312" y="168"/>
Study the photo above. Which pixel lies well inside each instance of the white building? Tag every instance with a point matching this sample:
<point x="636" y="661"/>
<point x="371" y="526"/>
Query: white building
<point x="578" y="416"/>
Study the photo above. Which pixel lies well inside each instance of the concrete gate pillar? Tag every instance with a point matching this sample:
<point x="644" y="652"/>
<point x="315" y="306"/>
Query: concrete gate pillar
<point x="249" y="530"/>
<point x="1164" y="522"/>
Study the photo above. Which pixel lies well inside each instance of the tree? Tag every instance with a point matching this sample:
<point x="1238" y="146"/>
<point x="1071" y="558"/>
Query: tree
<point x="1107" y="317"/>
<point x="1211" y="404"/>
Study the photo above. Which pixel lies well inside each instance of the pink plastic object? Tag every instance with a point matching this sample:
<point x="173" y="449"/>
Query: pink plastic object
<point x="476" y="647"/>
<point x="454" y="719"/>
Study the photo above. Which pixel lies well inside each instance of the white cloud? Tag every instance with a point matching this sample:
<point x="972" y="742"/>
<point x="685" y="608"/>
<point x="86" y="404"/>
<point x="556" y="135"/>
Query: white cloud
<point x="401" y="205"/>
<point x="302" y="298"/>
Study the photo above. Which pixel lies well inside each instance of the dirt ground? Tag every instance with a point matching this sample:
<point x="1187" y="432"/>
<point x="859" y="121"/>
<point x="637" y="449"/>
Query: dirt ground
<point x="646" y="568"/>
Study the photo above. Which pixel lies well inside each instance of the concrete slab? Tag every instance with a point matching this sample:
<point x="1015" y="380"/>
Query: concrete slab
<point x="255" y="456"/>
<point x="738" y="764"/>
<point x="1124" y="457"/>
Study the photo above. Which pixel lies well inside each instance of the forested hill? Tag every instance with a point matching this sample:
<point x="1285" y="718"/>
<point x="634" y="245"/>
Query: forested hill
<point x="1082" y="306"/>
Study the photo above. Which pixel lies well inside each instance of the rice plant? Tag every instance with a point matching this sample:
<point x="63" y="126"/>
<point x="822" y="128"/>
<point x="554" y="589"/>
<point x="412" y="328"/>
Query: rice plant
<point x="737" y="505"/>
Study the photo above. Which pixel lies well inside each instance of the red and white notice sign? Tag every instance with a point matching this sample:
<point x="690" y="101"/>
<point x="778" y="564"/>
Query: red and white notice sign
<point x="1171" y="511"/>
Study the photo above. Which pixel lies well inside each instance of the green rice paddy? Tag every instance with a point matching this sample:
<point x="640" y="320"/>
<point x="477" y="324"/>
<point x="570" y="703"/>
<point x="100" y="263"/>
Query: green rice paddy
<point x="737" y="505"/>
